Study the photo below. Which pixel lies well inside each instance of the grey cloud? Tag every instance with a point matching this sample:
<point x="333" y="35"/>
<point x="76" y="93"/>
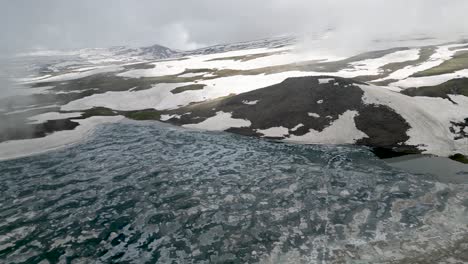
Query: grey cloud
<point x="58" y="24"/>
<point x="187" y="24"/>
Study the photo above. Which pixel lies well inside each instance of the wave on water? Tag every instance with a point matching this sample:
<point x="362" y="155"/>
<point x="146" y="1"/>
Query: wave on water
<point x="153" y="193"/>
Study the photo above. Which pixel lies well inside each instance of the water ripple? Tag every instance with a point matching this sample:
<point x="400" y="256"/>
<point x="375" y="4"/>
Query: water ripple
<point x="150" y="193"/>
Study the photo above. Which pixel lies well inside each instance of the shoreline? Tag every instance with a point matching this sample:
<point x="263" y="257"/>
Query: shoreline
<point x="23" y="148"/>
<point x="14" y="149"/>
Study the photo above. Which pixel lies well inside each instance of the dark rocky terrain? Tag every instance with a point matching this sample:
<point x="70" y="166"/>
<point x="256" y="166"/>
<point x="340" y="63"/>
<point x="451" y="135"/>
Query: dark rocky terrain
<point x="204" y="82"/>
<point x="289" y="103"/>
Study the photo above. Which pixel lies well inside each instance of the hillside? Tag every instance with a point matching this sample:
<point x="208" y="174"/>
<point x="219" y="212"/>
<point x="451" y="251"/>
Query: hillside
<point x="402" y="99"/>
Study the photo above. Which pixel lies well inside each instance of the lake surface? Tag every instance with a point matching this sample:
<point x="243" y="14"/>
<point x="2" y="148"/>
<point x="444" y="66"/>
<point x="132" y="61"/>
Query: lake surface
<point x="149" y="193"/>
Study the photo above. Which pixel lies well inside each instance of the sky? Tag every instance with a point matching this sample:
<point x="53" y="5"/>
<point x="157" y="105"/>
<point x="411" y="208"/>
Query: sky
<point x="185" y="24"/>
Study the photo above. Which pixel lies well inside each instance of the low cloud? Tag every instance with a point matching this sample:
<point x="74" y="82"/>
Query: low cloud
<point x="56" y="24"/>
<point x="351" y="25"/>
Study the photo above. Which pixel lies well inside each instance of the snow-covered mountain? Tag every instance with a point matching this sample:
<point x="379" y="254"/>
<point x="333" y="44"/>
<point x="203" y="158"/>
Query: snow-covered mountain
<point x="52" y="61"/>
<point x="44" y="62"/>
<point x="403" y="99"/>
<point x="268" y="43"/>
<point x="127" y="54"/>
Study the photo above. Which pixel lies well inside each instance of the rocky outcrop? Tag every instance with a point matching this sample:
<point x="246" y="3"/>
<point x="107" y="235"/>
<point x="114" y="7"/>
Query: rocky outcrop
<point x="298" y="106"/>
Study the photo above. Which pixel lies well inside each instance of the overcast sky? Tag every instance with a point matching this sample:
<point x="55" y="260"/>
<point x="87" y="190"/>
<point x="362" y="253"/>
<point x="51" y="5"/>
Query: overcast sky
<point x="187" y="24"/>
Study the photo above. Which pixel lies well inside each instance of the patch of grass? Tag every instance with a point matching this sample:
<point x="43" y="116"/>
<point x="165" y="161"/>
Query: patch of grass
<point x="105" y="82"/>
<point x="190" y="87"/>
<point x="457" y="48"/>
<point x="109" y="82"/>
<point x="455" y="86"/>
<point x="139" y="66"/>
<point x="312" y="65"/>
<point x="148" y="114"/>
<point x="458" y="62"/>
<point x="334" y="66"/>
<point x="424" y="54"/>
<point x="100" y="83"/>
<point x="98" y="111"/>
<point x="460" y="158"/>
<point x="200" y="70"/>
<point x="248" y="57"/>
<point x="178" y="59"/>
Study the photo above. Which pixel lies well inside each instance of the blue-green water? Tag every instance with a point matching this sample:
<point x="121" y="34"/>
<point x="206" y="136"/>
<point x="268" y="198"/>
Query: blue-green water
<point x="156" y="194"/>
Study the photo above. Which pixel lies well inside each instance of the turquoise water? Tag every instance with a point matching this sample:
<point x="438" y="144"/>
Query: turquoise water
<point x="151" y="193"/>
